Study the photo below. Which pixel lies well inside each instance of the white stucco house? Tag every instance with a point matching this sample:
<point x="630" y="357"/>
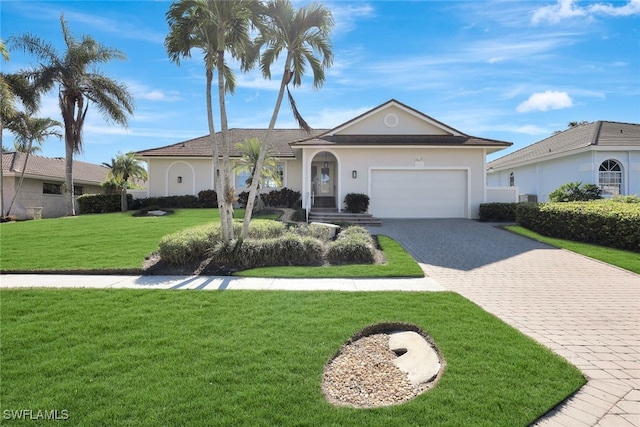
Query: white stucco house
<point x="603" y="153"/>
<point x="409" y="164"/>
<point x="42" y="188"/>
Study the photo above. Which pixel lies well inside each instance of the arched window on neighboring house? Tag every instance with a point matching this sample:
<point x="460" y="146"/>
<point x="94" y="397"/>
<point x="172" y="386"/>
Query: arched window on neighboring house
<point x="512" y="180"/>
<point x="610" y="178"/>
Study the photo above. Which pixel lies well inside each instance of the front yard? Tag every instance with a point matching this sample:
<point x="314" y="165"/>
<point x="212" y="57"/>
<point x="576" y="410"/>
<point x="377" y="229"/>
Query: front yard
<point x="128" y="357"/>
<point x="120" y="242"/>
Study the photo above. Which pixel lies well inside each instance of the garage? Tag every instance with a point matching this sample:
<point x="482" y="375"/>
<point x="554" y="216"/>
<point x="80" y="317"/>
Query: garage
<point x="424" y="193"/>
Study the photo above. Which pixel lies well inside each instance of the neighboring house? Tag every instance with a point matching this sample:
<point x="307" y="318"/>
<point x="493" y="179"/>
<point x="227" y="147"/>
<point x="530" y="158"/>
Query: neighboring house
<point x="603" y="153"/>
<point x="410" y="165"/>
<point x="43" y="183"/>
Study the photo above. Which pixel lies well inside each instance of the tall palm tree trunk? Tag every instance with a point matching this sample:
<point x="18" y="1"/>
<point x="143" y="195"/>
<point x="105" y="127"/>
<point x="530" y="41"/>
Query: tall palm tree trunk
<point x="217" y="181"/>
<point x="1" y="175"/>
<point x="24" y="169"/>
<point x="228" y="193"/>
<point x="253" y="189"/>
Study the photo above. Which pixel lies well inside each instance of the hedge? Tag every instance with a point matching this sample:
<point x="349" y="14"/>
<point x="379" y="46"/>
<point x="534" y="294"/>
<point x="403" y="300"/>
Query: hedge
<point x="101" y="203"/>
<point x="286" y="250"/>
<point x="605" y="223"/>
<point x="186" y="201"/>
<point x="497" y="212"/>
<point x="353" y="245"/>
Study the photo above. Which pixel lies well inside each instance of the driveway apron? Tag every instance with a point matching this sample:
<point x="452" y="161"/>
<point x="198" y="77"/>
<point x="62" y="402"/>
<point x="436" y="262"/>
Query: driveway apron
<point x="582" y="309"/>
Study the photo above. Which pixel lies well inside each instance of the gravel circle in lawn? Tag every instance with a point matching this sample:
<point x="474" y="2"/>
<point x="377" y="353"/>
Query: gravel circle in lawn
<point x="363" y="375"/>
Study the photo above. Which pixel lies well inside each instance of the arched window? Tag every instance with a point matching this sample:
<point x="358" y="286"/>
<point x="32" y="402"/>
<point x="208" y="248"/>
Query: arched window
<point x="512" y="180"/>
<point x="610" y="178"/>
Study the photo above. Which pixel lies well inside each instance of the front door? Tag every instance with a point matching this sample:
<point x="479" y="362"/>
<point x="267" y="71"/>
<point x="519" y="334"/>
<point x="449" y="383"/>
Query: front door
<point x="326" y="181"/>
<point x="323" y="180"/>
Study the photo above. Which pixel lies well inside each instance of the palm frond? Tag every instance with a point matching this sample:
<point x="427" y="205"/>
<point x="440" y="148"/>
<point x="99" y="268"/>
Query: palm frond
<point x="296" y="114"/>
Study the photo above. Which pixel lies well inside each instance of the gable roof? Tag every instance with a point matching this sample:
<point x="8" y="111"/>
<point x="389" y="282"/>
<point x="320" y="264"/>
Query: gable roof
<point x="599" y="133"/>
<point x="426" y="131"/>
<point x="201" y="146"/>
<point x="392" y="104"/>
<point x="47" y="168"/>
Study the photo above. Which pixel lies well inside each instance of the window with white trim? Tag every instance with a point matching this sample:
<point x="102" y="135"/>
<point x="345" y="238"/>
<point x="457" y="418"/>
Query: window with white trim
<point x="512" y="180"/>
<point x="272" y="183"/>
<point x="610" y="178"/>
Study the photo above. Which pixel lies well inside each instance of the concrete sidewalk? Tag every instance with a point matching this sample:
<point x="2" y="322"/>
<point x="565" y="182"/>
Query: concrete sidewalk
<point x="218" y="283"/>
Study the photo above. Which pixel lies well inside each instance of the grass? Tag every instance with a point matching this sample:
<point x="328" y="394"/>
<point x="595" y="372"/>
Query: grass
<point x="399" y="264"/>
<point x="119" y="242"/>
<point x="130" y="357"/>
<point x="95" y="242"/>
<point x="624" y="259"/>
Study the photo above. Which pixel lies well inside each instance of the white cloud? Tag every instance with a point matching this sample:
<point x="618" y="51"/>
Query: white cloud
<point x="543" y="101"/>
<point x="344" y="16"/>
<point x="565" y="9"/>
<point x="530" y="130"/>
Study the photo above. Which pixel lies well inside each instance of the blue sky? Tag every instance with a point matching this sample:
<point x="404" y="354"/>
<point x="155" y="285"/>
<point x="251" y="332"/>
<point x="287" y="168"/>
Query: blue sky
<point x="508" y="70"/>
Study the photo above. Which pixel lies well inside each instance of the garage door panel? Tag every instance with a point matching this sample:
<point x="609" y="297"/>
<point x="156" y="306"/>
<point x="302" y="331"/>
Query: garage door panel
<point x="418" y="193"/>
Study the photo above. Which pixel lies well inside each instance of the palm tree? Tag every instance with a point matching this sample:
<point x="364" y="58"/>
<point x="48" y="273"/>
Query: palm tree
<point x="216" y="27"/>
<point x="122" y="168"/>
<point x="12" y="88"/>
<point x="250" y="152"/>
<point x="302" y="35"/>
<point x="79" y="84"/>
<point x="28" y="130"/>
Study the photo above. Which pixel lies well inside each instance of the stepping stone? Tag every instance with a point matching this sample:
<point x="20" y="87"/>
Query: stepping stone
<point x="416" y="357"/>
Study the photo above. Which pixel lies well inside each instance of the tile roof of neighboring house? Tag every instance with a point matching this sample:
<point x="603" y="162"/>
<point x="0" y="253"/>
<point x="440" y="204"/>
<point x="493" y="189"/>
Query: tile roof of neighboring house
<point x="52" y="168"/>
<point x="600" y="133"/>
<point x="201" y="147"/>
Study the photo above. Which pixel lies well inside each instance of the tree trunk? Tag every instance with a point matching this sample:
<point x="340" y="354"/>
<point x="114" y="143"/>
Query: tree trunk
<point x="124" y="206"/>
<point x="217" y="181"/>
<point x="266" y="144"/>
<point x="68" y="191"/>
<point x="1" y="174"/>
<point x="24" y="169"/>
<point x="229" y="192"/>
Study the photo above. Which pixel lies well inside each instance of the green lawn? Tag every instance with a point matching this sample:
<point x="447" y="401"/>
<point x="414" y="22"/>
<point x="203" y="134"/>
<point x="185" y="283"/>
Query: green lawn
<point x="119" y="242"/>
<point x="623" y="259"/>
<point x="173" y="358"/>
<point x="92" y="242"/>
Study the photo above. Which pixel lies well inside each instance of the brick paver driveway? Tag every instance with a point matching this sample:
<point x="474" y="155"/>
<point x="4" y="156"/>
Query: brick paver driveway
<point x="584" y="310"/>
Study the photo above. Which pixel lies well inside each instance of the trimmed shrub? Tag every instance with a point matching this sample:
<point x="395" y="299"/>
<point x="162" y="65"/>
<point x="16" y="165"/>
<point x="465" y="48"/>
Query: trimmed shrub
<point x="354" y="245"/>
<point x="497" y="211"/>
<point x="192" y="244"/>
<point x="286" y="250"/>
<point x="605" y="223"/>
<point x="208" y="198"/>
<point x="102" y="203"/>
<point x="187" y="246"/>
<point x="356" y="202"/>
<point x="283" y="198"/>
<point x="575" y="192"/>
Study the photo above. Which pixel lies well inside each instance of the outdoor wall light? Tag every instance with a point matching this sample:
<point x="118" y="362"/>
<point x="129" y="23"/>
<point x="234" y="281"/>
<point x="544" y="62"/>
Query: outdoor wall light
<point x="354" y="174"/>
<point x="179" y="180"/>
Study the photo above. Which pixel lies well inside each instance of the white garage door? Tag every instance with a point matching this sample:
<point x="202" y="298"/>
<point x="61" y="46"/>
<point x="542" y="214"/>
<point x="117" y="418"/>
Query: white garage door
<point x="418" y="193"/>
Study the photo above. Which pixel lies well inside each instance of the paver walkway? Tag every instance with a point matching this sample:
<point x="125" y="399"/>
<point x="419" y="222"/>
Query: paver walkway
<point x="584" y="310"/>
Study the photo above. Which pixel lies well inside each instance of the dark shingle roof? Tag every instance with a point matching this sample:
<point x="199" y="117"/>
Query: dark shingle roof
<point x="599" y="133"/>
<point x="53" y="168"/>
<point x="201" y="147"/>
